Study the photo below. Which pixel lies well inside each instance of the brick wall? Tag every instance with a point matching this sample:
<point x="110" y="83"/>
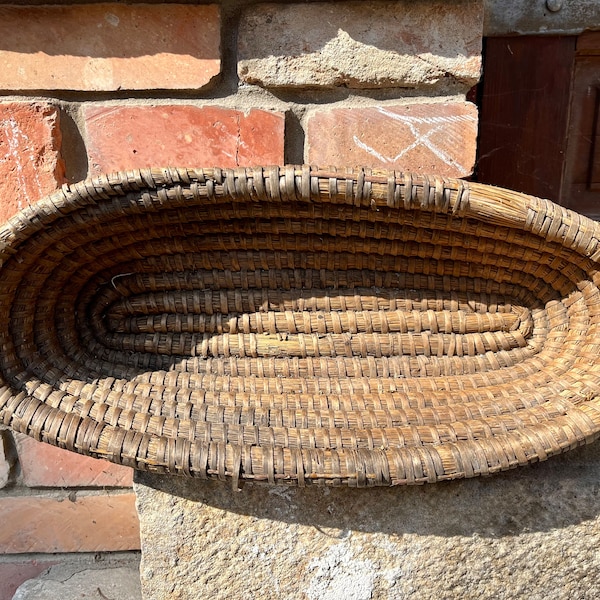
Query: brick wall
<point x="89" y="88"/>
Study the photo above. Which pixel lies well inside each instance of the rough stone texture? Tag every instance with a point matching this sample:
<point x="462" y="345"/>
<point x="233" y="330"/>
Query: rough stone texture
<point x="43" y="465"/>
<point x="109" y="47"/>
<point x="531" y="533"/>
<point x="126" y="137"/>
<point x="436" y="137"/>
<point x="110" y="580"/>
<point x="73" y="522"/>
<point x="15" y="572"/>
<point x="361" y="44"/>
<point x="30" y="163"/>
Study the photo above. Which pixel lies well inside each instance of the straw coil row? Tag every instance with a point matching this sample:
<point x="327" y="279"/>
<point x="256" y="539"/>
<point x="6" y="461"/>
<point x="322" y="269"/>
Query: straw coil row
<point x="300" y="325"/>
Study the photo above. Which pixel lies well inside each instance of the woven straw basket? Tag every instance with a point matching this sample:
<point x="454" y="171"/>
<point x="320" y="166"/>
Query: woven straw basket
<point x="294" y="324"/>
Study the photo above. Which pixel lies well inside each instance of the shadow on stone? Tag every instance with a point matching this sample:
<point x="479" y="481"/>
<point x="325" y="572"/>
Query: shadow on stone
<point x="73" y="149"/>
<point x="555" y="494"/>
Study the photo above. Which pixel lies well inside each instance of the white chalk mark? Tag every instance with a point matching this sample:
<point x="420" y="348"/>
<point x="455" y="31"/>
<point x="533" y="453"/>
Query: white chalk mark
<point x="374" y="152"/>
<point x="426" y="120"/>
<point x="417" y="125"/>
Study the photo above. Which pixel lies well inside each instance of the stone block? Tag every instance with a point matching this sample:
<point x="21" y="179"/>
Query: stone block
<point x="530" y="533"/>
<point x="434" y="137"/>
<point x="30" y="163"/>
<point x="106" y="47"/>
<point x="127" y="137"/>
<point x="45" y="466"/>
<point x="6" y="460"/>
<point x="74" y="522"/>
<point x="361" y="44"/>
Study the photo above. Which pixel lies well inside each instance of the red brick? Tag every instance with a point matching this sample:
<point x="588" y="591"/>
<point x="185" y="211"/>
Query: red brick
<point x="432" y="138"/>
<point x="43" y="465"/>
<point x="102" y="47"/>
<point x="30" y="163"/>
<point x="125" y="137"/>
<point x="14" y="573"/>
<point x="69" y="523"/>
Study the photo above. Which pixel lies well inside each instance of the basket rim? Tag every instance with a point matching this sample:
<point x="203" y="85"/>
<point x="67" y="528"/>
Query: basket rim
<point x="508" y="208"/>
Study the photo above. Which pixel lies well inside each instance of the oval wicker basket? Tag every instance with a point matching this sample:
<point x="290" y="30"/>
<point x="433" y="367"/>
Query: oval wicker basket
<point x="301" y="325"/>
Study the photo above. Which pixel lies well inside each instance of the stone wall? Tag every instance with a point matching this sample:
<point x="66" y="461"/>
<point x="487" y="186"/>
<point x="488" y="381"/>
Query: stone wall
<point x="88" y="88"/>
<point x="531" y="533"/>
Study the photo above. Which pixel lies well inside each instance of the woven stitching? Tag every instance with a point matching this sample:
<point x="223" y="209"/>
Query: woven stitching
<point x="300" y="325"/>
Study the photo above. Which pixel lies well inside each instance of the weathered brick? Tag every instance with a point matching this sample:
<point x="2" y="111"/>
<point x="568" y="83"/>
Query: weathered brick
<point x="30" y="163"/>
<point x="438" y="138"/>
<point x="14" y="573"/>
<point x="43" y="465"/>
<point x="125" y="137"/>
<point x="362" y="44"/>
<point x="70" y="523"/>
<point x="101" y="47"/>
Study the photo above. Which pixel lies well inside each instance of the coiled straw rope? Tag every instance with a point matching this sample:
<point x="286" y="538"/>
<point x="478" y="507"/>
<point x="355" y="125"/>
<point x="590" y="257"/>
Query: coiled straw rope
<point x="300" y="325"/>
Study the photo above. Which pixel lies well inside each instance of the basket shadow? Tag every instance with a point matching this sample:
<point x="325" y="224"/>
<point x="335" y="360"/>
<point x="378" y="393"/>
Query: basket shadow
<point x="556" y="494"/>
